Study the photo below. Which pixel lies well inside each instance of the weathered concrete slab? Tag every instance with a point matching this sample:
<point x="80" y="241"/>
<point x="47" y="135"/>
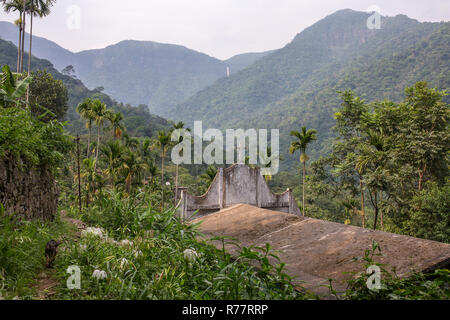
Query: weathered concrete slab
<point x="316" y="250"/>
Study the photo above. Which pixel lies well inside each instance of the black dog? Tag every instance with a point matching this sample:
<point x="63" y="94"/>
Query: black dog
<point x="50" y="252"/>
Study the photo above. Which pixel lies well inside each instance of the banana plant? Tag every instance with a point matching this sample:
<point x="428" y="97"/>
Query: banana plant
<point x="12" y="90"/>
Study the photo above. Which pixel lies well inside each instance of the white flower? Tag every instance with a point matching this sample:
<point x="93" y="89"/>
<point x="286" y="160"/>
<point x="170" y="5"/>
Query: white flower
<point x="126" y="243"/>
<point x="167" y="183"/>
<point x="137" y="253"/>
<point x="110" y="240"/>
<point x="99" y="274"/>
<point x="190" y="255"/>
<point x="123" y="263"/>
<point x="16" y="298"/>
<point x="93" y="231"/>
<point x="83" y="247"/>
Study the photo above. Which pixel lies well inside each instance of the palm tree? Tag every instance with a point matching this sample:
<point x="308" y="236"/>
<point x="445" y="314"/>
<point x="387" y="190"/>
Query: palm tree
<point x="145" y="154"/>
<point x="90" y="176"/>
<point x="144" y="150"/>
<point x="178" y="126"/>
<point x="350" y="206"/>
<point x="86" y="112"/>
<point x="352" y="160"/>
<point x="112" y="151"/>
<point x="17" y="5"/>
<point x="100" y="113"/>
<point x="304" y="139"/>
<point x="373" y="156"/>
<point x="163" y="143"/>
<point x="18" y="24"/>
<point x="116" y="125"/>
<point x="37" y="8"/>
<point x="132" y="167"/>
<point x="129" y="142"/>
<point x="152" y="169"/>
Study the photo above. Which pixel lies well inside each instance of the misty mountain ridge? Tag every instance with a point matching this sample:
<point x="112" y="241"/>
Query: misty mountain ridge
<point x="297" y="85"/>
<point x="137" y="120"/>
<point x="138" y="72"/>
<point x="283" y="89"/>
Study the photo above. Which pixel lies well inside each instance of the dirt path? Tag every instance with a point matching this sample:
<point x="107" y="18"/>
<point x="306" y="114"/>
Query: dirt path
<point x="46" y="281"/>
<point x="77" y="223"/>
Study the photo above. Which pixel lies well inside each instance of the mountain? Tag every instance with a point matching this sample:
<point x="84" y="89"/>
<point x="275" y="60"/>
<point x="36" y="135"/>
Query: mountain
<point x="138" y="72"/>
<point x="42" y="47"/>
<point x="297" y="85"/>
<point x="242" y="61"/>
<point x="137" y="120"/>
<point x="156" y="74"/>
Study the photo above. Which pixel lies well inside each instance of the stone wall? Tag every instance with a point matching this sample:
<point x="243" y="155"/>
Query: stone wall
<point x="27" y="192"/>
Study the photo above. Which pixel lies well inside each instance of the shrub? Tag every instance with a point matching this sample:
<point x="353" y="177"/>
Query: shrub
<point x="418" y="286"/>
<point x="164" y="259"/>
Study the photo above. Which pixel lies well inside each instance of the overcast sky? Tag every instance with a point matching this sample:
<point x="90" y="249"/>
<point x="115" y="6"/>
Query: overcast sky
<point x="220" y="28"/>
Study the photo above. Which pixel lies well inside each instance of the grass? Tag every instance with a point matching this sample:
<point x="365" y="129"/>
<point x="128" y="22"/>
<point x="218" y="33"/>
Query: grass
<point x="165" y="260"/>
<point x="22" y="245"/>
<point x="148" y="254"/>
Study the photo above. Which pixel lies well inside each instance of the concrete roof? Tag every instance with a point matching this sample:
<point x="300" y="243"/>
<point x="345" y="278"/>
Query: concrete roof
<point x="316" y="250"/>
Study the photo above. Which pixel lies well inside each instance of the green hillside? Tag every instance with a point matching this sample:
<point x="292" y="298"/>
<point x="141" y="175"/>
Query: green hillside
<point x="242" y="61"/>
<point x="138" y="121"/>
<point x="150" y="73"/>
<point x="138" y="72"/>
<point x="297" y="85"/>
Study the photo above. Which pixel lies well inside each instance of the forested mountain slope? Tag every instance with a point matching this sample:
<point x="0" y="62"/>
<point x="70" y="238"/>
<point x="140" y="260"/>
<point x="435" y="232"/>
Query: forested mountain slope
<point x="42" y="47"/>
<point x="137" y="119"/>
<point x="297" y="85"/>
<point x="242" y="61"/>
<point x="138" y="72"/>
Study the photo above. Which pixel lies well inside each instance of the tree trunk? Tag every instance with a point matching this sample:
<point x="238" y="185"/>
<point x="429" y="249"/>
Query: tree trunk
<point x="89" y="139"/>
<point x="79" y="172"/>
<point x="98" y="146"/>
<point x="375" y="205"/>
<point x="162" y="169"/>
<point x="29" y="56"/>
<point x="363" y="213"/>
<point x="87" y="199"/>
<point x="381" y="213"/>
<point x="31" y="42"/>
<point x="303" y="187"/>
<point x="87" y="194"/>
<point x="128" y="183"/>
<point x="19" y="44"/>
<point x="23" y="42"/>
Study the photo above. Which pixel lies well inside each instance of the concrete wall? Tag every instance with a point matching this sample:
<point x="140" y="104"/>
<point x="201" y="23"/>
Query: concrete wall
<point x="235" y="185"/>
